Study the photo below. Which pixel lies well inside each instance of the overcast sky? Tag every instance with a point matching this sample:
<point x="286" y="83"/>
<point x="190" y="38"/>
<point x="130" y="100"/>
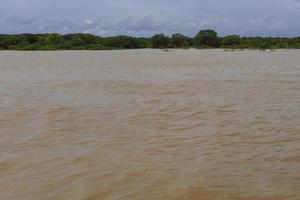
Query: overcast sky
<point x="147" y="17"/>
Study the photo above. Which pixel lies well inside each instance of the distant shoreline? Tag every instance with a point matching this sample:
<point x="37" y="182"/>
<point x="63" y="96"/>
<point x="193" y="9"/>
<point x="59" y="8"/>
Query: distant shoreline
<point x="163" y="50"/>
<point x="205" y="39"/>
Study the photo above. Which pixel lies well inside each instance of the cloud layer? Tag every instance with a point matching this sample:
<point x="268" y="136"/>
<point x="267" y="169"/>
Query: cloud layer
<point x="145" y="18"/>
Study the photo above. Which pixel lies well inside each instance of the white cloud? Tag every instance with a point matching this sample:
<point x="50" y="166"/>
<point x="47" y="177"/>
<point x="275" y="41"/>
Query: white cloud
<point x="90" y="22"/>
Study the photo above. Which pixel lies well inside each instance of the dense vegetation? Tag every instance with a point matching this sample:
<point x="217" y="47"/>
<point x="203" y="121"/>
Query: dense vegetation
<point x="80" y="41"/>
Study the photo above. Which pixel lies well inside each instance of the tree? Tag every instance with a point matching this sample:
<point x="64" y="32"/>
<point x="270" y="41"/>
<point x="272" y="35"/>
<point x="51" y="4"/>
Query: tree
<point x="144" y="42"/>
<point x="76" y="41"/>
<point x="231" y="41"/>
<point x="179" y="41"/>
<point x="54" y="39"/>
<point x="79" y="40"/>
<point x="30" y="38"/>
<point x="160" y="41"/>
<point x="206" y="38"/>
<point x="122" y="42"/>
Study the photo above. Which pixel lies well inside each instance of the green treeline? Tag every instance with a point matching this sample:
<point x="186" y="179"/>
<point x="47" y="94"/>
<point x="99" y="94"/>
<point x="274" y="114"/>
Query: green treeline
<point x="80" y="41"/>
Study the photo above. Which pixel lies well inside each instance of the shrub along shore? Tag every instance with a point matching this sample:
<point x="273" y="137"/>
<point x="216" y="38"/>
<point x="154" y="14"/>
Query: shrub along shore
<point x="81" y="41"/>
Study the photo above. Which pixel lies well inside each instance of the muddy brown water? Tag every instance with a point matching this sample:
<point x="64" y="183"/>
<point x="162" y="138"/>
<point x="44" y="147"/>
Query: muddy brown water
<point x="149" y="124"/>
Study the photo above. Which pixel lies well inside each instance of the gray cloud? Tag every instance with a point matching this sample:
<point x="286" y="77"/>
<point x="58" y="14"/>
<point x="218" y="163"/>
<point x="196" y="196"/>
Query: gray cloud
<point x="145" y="18"/>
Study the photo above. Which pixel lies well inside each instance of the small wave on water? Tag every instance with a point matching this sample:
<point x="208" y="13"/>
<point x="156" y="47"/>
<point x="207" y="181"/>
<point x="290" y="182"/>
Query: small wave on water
<point x="149" y="125"/>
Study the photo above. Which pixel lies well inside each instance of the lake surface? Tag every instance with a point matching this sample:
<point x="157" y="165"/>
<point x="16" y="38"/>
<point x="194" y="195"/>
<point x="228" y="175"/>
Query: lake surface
<point x="150" y="125"/>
